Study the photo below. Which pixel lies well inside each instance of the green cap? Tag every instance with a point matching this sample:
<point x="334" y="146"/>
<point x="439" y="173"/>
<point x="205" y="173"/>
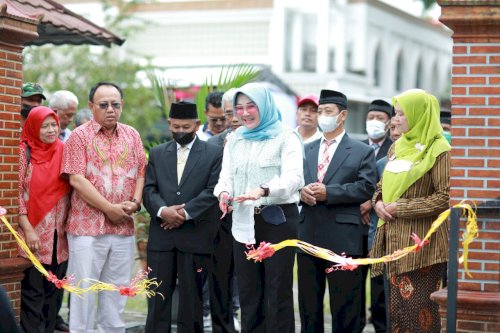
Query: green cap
<point x="30" y="89"/>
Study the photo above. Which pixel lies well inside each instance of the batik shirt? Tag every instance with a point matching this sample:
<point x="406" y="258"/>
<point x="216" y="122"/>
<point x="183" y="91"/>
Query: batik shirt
<point x="112" y="162"/>
<point x="54" y="220"/>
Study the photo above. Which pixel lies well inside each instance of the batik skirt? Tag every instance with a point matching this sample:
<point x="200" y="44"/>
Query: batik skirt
<point x="411" y="309"/>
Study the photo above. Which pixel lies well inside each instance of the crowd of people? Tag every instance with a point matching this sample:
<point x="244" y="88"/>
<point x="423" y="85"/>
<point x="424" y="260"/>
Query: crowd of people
<point x="219" y="189"/>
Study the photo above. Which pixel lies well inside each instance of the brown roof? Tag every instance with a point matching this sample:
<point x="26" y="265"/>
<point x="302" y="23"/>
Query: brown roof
<point x="59" y="25"/>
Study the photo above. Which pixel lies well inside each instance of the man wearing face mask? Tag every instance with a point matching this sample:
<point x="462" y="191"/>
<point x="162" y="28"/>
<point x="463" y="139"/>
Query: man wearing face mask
<point x="31" y="96"/>
<point x="445" y="118"/>
<point x="377" y="126"/>
<point x="339" y="174"/>
<point x="178" y="194"/>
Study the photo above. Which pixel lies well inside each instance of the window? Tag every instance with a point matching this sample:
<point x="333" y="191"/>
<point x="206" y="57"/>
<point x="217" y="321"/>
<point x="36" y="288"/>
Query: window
<point x="331" y="59"/>
<point x="399" y="72"/>
<point x="435" y="80"/>
<point x="418" y="75"/>
<point x="309" y="43"/>
<point x="377" y="67"/>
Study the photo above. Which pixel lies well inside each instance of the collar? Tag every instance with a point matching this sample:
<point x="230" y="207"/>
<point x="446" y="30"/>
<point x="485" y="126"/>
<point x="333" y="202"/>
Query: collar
<point x="380" y="143"/>
<point x="315" y="133"/>
<point x="337" y="139"/>
<point x="96" y="127"/>
<point x="189" y="145"/>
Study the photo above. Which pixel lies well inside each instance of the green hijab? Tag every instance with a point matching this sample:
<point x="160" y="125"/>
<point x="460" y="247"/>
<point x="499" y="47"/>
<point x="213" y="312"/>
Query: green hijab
<point x="421" y="145"/>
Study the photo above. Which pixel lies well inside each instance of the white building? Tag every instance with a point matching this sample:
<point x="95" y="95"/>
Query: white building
<point x="364" y="48"/>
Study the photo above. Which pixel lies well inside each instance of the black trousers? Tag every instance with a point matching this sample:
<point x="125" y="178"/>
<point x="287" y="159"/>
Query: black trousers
<point x="38" y="300"/>
<point x="220" y="280"/>
<point x="38" y="297"/>
<point x="187" y="267"/>
<point x="265" y="288"/>
<point x="378" y="304"/>
<point x="345" y="296"/>
<point x="60" y="295"/>
<point x="364" y="276"/>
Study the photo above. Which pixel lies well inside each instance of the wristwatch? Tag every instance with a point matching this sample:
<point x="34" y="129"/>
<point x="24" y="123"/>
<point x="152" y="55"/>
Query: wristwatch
<point x="265" y="187"/>
<point x="138" y="204"/>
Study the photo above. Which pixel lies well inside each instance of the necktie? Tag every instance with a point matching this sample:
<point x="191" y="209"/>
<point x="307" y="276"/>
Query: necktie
<point x="325" y="161"/>
<point x="181" y="162"/>
<point x="374" y="146"/>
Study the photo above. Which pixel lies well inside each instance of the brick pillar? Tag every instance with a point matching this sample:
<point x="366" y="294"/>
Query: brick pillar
<point x="475" y="164"/>
<point x="14" y="32"/>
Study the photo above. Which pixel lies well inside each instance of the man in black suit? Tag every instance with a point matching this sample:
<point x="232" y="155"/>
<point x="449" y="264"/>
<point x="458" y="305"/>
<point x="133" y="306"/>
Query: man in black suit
<point x="178" y="194"/>
<point x="378" y="119"/>
<point x="331" y="217"/>
<point x="226" y="303"/>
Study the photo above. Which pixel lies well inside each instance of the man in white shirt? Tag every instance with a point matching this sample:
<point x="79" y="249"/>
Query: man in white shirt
<point x="307" y="119"/>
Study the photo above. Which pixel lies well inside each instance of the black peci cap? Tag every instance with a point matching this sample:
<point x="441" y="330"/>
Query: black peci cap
<point x="183" y="110"/>
<point x="382" y="106"/>
<point x="332" y="97"/>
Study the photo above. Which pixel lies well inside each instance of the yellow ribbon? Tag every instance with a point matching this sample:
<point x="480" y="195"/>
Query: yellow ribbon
<point x="139" y="285"/>
<point x="342" y="262"/>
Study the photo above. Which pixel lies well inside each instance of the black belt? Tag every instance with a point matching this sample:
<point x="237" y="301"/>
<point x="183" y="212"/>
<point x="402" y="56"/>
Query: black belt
<point x="258" y="210"/>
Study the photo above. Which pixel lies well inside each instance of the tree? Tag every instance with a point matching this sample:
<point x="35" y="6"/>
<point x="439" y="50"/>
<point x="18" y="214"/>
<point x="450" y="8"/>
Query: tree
<point x="77" y="68"/>
<point x="428" y="4"/>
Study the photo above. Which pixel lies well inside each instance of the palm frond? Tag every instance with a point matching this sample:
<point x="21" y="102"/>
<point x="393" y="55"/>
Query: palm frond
<point x="161" y="92"/>
<point x="232" y="76"/>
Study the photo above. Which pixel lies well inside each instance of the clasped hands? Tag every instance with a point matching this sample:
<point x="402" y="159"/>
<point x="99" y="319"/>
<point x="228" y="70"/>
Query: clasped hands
<point x="386" y="212"/>
<point x="121" y="212"/>
<point x="172" y="216"/>
<point x="313" y="193"/>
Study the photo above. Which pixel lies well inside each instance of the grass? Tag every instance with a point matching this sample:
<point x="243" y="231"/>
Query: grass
<point x="137" y="304"/>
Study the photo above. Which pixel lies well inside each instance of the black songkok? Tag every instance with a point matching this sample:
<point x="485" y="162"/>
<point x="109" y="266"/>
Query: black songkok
<point x="183" y="110"/>
<point x="332" y="97"/>
<point x="445" y="116"/>
<point x="382" y="106"/>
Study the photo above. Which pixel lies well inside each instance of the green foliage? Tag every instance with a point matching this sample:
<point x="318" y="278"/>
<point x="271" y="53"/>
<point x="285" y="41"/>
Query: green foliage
<point x="428" y="3"/>
<point x="159" y="91"/>
<point x="78" y="68"/>
<point x="232" y="76"/>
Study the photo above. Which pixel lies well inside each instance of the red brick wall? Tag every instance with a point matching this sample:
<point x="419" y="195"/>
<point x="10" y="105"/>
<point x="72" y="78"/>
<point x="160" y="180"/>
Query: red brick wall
<point x="475" y="161"/>
<point x="15" y="31"/>
<point x="10" y="91"/>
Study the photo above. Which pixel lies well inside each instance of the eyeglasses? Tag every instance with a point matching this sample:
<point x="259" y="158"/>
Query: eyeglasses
<point x="250" y="108"/>
<point x="105" y="105"/>
<point x="215" y="119"/>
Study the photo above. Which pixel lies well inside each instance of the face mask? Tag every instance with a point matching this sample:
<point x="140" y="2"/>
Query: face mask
<point x="328" y="124"/>
<point x="376" y="129"/>
<point x="183" y="138"/>
<point x="25" y="110"/>
<point x="447" y="136"/>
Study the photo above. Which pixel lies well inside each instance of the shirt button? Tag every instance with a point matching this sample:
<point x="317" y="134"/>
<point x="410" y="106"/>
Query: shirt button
<point x="178" y="193"/>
